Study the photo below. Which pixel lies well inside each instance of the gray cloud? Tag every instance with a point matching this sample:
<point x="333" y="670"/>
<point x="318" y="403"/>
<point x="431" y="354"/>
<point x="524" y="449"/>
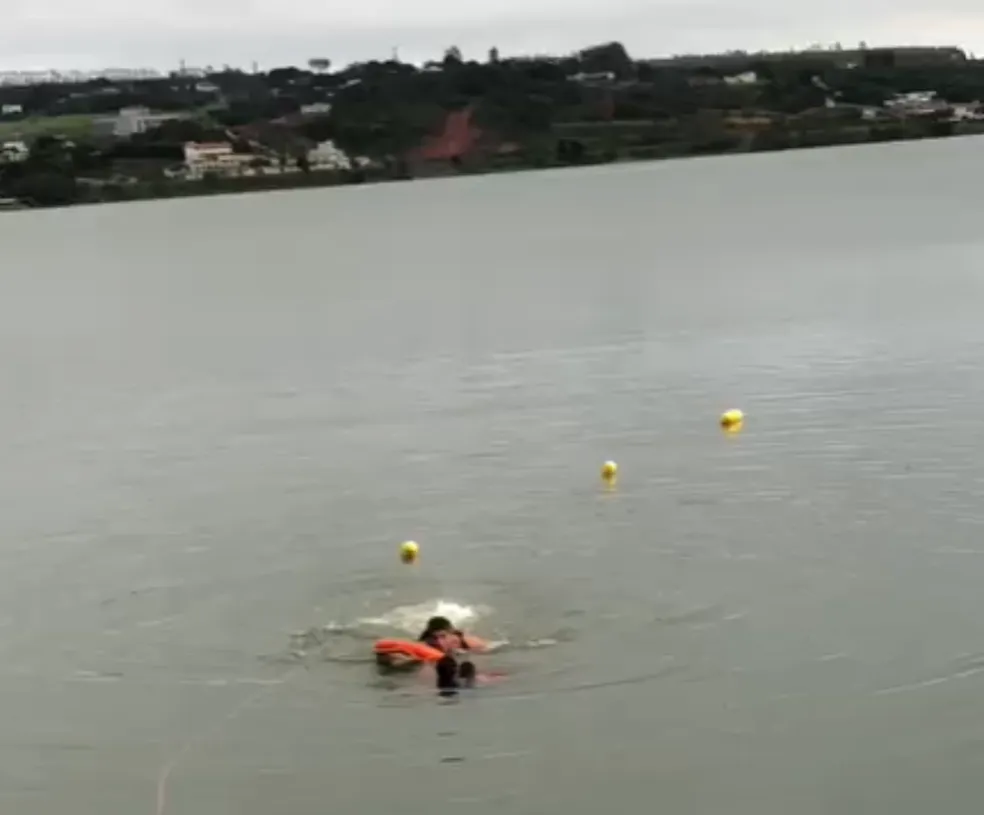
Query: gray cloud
<point x="97" y="33"/>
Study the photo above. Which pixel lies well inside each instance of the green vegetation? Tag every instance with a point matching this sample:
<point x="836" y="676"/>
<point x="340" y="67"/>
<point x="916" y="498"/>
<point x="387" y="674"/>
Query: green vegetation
<point x="594" y="106"/>
<point x="72" y="126"/>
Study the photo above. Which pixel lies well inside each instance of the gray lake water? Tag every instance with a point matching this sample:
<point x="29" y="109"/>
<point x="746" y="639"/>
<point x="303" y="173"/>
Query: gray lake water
<point x="220" y="418"/>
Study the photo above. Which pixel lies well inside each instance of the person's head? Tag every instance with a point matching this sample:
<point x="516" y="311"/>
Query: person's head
<point x="440" y="633"/>
<point x="435" y="624"/>
<point x="435" y="627"/>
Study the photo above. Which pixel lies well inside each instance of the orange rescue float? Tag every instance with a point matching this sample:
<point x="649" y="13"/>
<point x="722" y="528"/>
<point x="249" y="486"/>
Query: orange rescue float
<point x="407" y="650"/>
<point x="390" y="651"/>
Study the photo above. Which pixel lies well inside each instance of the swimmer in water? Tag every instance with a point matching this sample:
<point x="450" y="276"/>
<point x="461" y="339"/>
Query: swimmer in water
<point x="439" y="633"/>
<point x="452" y="672"/>
<point x="453" y="675"/>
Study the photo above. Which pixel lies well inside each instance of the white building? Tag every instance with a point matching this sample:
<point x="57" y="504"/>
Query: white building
<point x="326" y="156"/>
<point x="873" y="114"/>
<point x="967" y="113"/>
<point x="594" y="77"/>
<point x="916" y="103"/>
<point x="38" y="77"/>
<point x="130" y="121"/>
<point x="316" y="109"/>
<point x="11" y="110"/>
<point x="215" y="158"/>
<point x="13" y="151"/>
<point x="746" y="78"/>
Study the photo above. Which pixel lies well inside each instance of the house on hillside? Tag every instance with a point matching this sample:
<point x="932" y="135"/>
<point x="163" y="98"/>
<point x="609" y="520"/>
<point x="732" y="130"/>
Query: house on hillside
<point x="132" y="120"/>
<point x="917" y="103"/>
<point x="751" y="121"/>
<point x="214" y="159"/>
<point x="744" y="78"/>
<point x="596" y="78"/>
<point x="972" y="112"/>
<point x="327" y="156"/>
<point x="13" y="151"/>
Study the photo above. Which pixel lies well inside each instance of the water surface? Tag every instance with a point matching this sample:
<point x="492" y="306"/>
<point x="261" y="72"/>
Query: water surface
<point x="221" y="416"/>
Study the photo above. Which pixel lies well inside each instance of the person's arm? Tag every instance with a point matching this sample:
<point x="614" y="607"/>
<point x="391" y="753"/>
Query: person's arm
<point x="470" y="642"/>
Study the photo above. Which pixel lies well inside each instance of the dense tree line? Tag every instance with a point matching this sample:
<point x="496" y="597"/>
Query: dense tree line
<point x="386" y="105"/>
<point x="48" y="177"/>
<point x="385" y="108"/>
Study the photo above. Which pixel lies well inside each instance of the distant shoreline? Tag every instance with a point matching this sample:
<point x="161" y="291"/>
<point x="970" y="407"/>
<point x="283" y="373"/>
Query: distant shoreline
<point x="192" y="134"/>
<point x="169" y="190"/>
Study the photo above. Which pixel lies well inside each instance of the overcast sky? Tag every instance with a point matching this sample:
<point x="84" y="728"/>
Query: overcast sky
<point x="101" y="33"/>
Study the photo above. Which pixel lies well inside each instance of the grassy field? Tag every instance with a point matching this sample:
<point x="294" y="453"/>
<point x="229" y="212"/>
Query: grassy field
<point x="77" y="125"/>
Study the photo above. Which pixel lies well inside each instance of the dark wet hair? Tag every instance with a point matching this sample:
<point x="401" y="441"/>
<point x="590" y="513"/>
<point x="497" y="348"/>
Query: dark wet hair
<point x="440" y="625"/>
<point x="436" y="625"/>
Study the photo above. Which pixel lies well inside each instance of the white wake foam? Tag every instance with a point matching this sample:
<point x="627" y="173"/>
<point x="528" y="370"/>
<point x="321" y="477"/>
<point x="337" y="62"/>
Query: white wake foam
<point x="412" y="618"/>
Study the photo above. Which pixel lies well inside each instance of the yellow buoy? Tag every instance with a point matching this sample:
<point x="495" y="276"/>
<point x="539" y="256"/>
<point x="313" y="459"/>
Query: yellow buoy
<point x="409" y="552"/>
<point x="609" y="472"/>
<point x="732" y="420"/>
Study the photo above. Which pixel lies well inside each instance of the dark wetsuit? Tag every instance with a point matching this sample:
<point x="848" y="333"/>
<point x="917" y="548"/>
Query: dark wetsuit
<point x="450" y="674"/>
